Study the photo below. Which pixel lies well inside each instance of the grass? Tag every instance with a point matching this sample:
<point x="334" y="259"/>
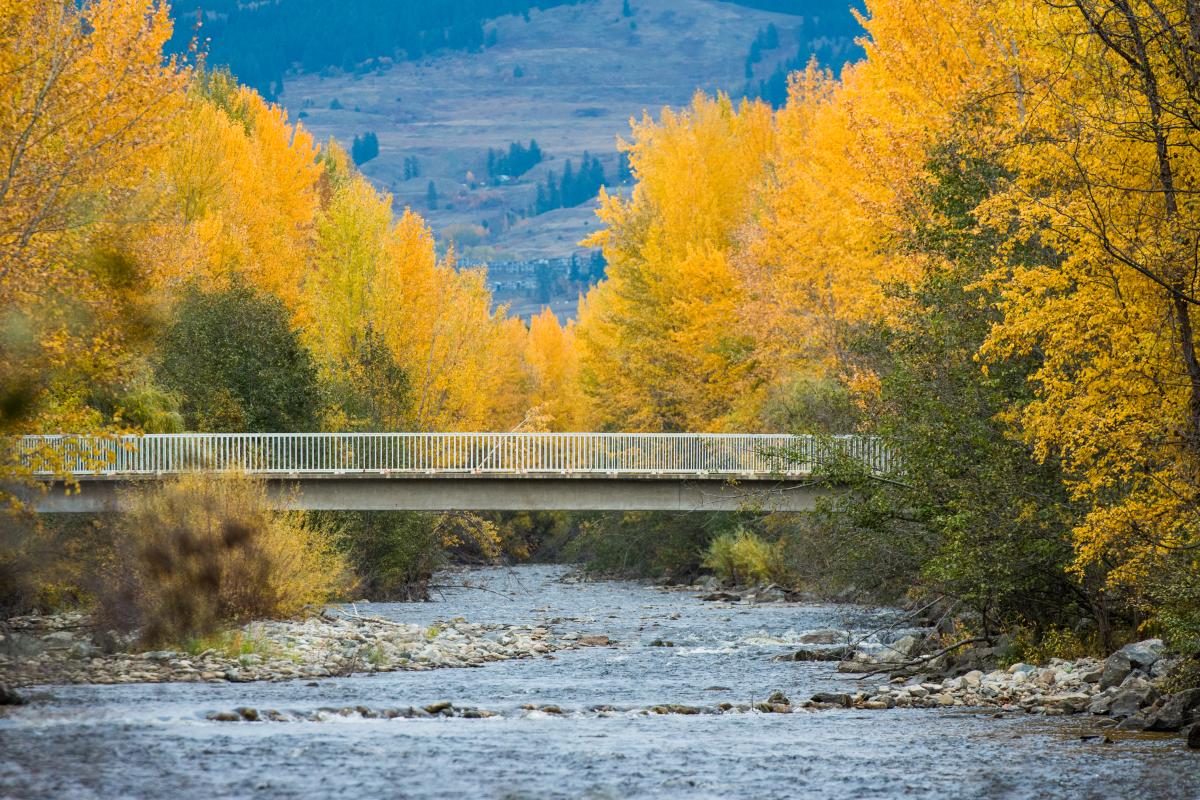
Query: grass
<point x="231" y="644"/>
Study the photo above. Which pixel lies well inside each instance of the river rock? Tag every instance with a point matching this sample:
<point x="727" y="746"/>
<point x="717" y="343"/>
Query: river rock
<point x="1163" y="666"/>
<point x="858" y="663"/>
<point x="59" y="640"/>
<point x="1134" y="695"/>
<point x="1175" y="712"/>
<point x="1193" y="736"/>
<point x="9" y="696"/>
<point x="1134" y="722"/>
<point x="826" y="636"/>
<point x="1102" y="703"/>
<point x="900" y="650"/>
<point x="768" y="594"/>
<point x="817" y="654"/>
<point x="1116" y="668"/>
<point x="1072" y="703"/>
<point x="1142" y="655"/>
<point x="595" y="640"/>
<point x="836" y="698"/>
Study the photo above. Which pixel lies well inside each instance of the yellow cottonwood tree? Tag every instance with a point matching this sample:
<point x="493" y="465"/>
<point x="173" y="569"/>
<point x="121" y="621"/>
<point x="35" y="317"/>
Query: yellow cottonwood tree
<point x="88" y="105"/>
<point x="462" y="359"/>
<point x="846" y="175"/>
<point x="660" y="346"/>
<point x="352" y="236"/>
<point x="1106" y="176"/>
<point x="241" y="194"/>
<point x="553" y="361"/>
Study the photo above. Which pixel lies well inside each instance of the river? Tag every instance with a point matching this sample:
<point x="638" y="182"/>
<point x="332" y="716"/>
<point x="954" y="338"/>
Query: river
<point x="153" y="740"/>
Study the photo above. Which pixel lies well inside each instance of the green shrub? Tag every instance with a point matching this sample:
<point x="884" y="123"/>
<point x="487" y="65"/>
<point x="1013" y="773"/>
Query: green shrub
<point x="1034" y="647"/>
<point x="202" y="552"/>
<point x="743" y="558"/>
<point x="645" y="544"/>
<point x="395" y="553"/>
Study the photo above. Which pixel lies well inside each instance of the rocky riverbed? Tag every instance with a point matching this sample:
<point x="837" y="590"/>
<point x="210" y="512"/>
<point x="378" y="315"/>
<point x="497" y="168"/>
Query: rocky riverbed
<point x="63" y="649"/>
<point x="643" y="692"/>
<point x="1127" y="689"/>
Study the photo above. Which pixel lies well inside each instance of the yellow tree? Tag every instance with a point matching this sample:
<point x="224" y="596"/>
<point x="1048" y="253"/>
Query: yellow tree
<point x="660" y="345"/>
<point x="1106" y="175"/>
<point x="352" y="236"/>
<point x="88" y="104"/>
<point x="240" y="195"/>
<point x="846" y="177"/>
<point x="461" y="358"/>
<point x="553" y="363"/>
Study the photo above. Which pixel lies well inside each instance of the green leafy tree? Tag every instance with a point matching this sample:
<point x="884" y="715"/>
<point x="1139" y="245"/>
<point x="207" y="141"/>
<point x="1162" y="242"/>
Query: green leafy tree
<point x="971" y="514"/>
<point x="237" y="364"/>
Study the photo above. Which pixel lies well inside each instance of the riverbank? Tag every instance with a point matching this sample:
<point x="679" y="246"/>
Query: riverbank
<point x="1127" y="690"/>
<point x="63" y="649"/>
<point x="593" y="721"/>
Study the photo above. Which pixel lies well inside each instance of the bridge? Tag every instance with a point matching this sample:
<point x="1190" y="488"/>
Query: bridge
<point x="456" y="471"/>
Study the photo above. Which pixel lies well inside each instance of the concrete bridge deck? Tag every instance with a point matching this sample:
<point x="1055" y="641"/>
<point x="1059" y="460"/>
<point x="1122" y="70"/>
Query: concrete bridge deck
<point x="458" y="471"/>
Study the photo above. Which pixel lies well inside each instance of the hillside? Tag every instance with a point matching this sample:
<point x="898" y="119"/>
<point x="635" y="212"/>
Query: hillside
<point x="570" y="77"/>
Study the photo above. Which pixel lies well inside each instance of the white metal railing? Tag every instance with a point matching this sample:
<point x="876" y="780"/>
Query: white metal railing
<point x="683" y="454"/>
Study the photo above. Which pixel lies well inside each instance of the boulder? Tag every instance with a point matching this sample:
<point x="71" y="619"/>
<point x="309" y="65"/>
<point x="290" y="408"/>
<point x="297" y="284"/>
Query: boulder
<point x="1142" y="655"/>
<point x="58" y="640"/>
<point x="1135" y="694"/>
<point x="1163" y="666"/>
<point x="1072" y="703"/>
<point x="1174" y="713"/>
<point x="1116" y="668"/>
<point x="837" y="698"/>
<point x="769" y="594"/>
<point x="1134" y="722"/>
<point x="9" y="696"/>
<point x="595" y="640"/>
<point x="826" y="636"/>
<point x="899" y="651"/>
<point x="1101" y="704"/>
<point x="1193" y="737"/>
<point x="817" y="654"/>
<point x="857" y="664"/>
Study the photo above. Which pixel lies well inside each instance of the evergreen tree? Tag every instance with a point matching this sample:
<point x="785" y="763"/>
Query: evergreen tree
<point x="431" y="196"/>
<point x="364" y="149"/>
<point x="567" y="192"/>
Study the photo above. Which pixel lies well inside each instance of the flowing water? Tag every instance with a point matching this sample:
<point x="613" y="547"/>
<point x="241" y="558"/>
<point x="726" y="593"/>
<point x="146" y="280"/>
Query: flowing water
<point x="154" y="741"/>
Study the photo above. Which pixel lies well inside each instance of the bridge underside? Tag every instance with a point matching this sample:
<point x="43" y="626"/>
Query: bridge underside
<point x="478" y="493"/>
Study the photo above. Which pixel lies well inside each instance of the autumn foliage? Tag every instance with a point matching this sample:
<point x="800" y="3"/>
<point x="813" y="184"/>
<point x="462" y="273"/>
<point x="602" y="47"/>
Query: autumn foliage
<point x="990" y="222"/>
<point x="1035" y="162"/>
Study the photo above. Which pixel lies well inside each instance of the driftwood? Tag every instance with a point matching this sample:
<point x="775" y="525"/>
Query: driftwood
<point x="925" y="659"/>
